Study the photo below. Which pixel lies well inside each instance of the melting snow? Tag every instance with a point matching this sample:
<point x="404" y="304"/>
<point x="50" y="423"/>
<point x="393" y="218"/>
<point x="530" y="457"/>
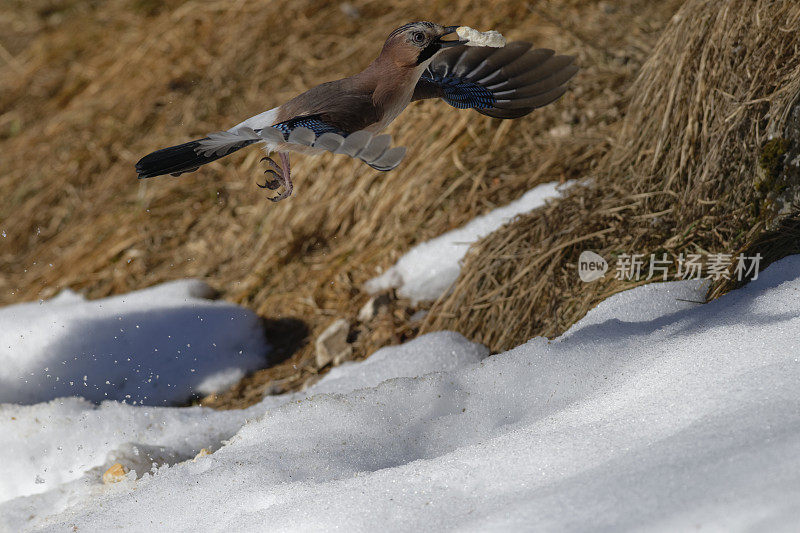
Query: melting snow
<point x="154" y="346"/>
<point x="652" y="412"/>
<point x="428" y="269"/>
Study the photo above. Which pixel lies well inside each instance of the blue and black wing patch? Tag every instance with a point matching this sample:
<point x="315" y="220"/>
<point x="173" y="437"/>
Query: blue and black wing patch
<point x="507" y="82"/>
<point x="461" y="93"/>
<point x="312" y="122"/>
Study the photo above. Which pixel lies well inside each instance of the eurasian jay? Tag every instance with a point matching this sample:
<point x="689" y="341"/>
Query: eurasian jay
<point x="344" y="116"/>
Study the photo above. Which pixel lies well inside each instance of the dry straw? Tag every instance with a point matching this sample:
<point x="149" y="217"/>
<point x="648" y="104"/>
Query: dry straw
<point x="87" y="88"/>
<point x="698" y="168"/>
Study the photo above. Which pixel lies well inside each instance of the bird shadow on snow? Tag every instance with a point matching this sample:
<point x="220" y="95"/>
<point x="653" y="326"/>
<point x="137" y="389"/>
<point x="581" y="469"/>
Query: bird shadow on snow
<point x="159" y="357"/>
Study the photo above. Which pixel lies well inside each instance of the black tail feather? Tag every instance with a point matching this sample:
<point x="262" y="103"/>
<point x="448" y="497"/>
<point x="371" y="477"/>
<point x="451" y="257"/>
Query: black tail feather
<point x="178" y="159"/>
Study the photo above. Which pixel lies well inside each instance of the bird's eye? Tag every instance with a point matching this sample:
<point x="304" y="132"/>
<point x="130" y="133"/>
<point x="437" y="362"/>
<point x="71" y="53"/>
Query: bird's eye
<point x="418" y="37"/>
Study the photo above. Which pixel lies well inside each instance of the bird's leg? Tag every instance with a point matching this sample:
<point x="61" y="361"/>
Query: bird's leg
<point x="282" y="177"/>
<point x="286" y="178"/>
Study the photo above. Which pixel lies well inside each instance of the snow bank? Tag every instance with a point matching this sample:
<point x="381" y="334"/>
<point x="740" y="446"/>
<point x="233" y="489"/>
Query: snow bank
<point x="686" y="417"/>
<point x="645" y="304"/>
<point x="427" y="270"/>
<point x="157" y="345"/>
<point x="62" y="447"/>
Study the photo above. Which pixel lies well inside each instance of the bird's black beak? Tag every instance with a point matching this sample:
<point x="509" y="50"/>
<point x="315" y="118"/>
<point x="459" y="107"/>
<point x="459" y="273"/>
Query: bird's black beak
<point x="448" y="30"/>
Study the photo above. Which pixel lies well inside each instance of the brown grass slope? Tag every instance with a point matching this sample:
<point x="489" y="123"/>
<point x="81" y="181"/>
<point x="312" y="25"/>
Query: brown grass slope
<point x="86" y="88"/>
<point x="706" y="163"/>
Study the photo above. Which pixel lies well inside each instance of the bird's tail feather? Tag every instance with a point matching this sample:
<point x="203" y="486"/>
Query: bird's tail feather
<point x="186" y="157"/>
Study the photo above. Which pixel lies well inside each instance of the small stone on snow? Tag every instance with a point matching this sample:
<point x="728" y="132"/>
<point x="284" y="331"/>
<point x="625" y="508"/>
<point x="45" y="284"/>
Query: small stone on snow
<point x="374" y="306"/>
<point x="202" y="453"/>
<point x="332" y="346"/>
<point x="114" y="474"/>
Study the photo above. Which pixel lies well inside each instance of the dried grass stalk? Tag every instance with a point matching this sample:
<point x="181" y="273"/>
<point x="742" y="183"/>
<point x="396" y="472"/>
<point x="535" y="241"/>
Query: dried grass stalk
<point x="685" y="175"/>
<point x="88" y="88"/>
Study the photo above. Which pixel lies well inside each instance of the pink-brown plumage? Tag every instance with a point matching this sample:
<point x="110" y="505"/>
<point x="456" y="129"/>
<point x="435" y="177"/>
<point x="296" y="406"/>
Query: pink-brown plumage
<point x="415" y="63"/>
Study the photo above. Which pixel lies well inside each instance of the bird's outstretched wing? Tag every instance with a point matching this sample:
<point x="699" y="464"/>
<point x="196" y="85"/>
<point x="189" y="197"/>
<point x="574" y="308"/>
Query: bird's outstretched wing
<point x="305" y="130"/>
<point x="309" y="131"/>
<point x="507" y="82"/>
<point x="374" y="150"/>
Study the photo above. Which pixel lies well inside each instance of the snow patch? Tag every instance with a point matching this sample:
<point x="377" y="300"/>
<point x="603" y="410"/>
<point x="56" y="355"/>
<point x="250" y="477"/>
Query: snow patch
<point x="428" y="269"/>
<point x="646" y="415"/>
<point x="156" y="346"/>
<point x="62" y="447"/>
<point x="650" y="413"/>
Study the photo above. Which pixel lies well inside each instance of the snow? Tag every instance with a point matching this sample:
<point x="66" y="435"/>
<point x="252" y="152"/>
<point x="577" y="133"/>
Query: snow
<point x="646" y="303"/>
<point x="73" y="441"/>
<point x="428" y="270"/>
<point x="650" y="413"/>
<point x="157" y="346"/>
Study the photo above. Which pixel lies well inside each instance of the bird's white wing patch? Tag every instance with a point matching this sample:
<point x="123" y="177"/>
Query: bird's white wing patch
<point x="492" y="38"/>
<point x="262" y="120"/>
<point x="376" y="147"/>
<point x="221" y="142"/>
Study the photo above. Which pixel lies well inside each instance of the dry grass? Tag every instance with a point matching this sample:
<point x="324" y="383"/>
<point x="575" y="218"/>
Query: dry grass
<point x="686" y="175"/>
<point x="86" y="88"/>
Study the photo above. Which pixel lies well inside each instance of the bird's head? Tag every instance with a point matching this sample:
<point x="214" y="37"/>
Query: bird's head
<point x="415" y="43"/>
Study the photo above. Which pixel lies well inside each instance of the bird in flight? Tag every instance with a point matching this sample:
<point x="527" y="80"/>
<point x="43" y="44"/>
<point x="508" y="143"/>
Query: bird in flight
<point x="473" y="71"/>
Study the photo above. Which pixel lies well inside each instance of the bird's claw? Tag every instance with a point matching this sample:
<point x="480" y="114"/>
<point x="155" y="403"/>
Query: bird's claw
<point x="281" y="196"/>
<point x="271" y="162"/>
<point x="271" y="184"/>
<point x="282" y="177"/>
